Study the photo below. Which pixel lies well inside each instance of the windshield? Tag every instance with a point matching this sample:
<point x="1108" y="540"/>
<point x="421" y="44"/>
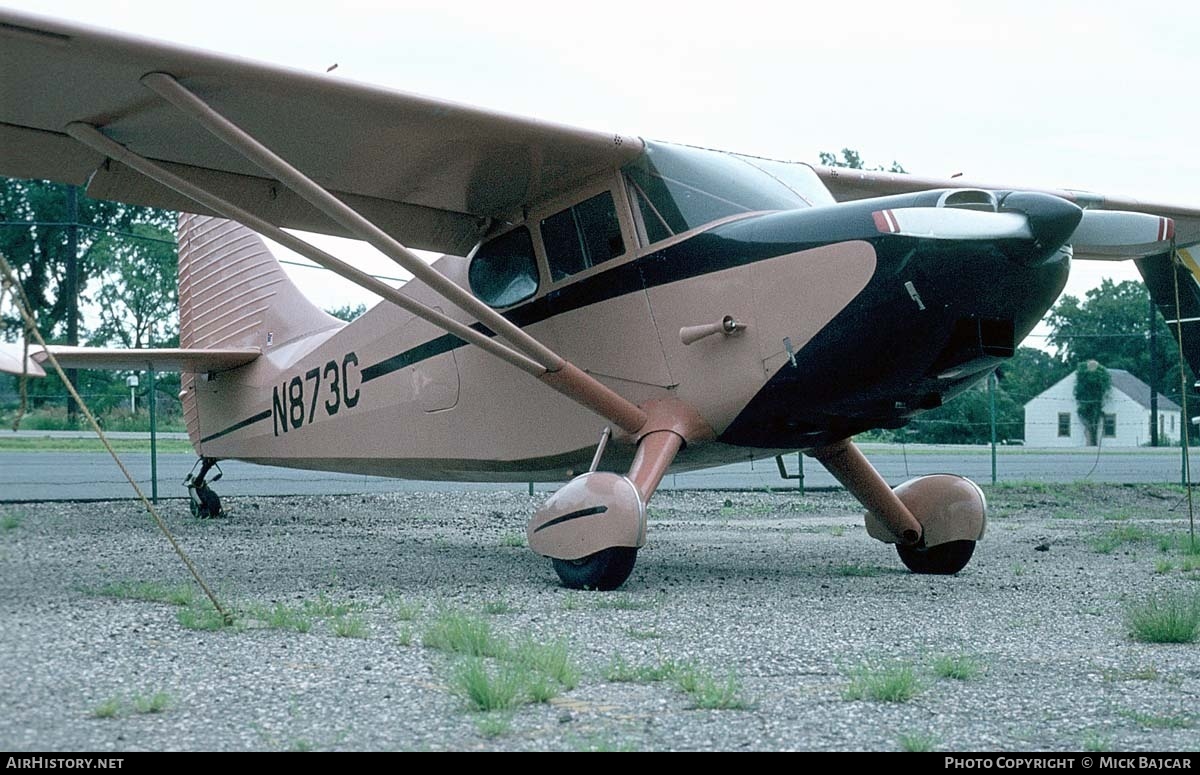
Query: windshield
<point x="678" y="188"/>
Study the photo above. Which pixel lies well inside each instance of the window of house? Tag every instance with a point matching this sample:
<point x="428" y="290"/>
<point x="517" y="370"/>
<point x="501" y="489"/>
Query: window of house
<point x="582" y="236"/>
<point x="504" y="270"/>
<point x="1064" y="425"/>
<point x="1172" y="423"/>
<point x="1110" y="426"/>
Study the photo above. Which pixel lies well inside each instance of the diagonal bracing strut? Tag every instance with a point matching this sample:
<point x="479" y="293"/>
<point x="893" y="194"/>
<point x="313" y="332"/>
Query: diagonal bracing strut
<point x="526" y="352"/>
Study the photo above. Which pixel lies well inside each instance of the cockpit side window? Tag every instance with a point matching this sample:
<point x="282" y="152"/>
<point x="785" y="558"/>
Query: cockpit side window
<point x="503" y="271"/>
<point x="582" y="236"/>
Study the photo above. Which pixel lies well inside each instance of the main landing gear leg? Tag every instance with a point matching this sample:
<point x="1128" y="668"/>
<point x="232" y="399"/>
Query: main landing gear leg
<point x="934" y="521"/>
<point x="204" y="502"/>
<point x="592" y="528"/>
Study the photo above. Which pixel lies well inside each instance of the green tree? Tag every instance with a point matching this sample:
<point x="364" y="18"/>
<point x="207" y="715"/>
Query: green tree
<point x="1111" y="326"/>
<point x="1029" y="372"/>
<point x="1092" y="385"/>
<point x="348" y="312"/>
<point x="33" y="236"/>
<point x="852" y="160"/>
<point x="138" y="298"/>
<point x="967" y="420"/>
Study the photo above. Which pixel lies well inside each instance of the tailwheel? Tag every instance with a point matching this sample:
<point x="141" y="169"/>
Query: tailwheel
<point x="943" y="560"/>
<point x="202" y="500"/>
<point x="605" y="570"/>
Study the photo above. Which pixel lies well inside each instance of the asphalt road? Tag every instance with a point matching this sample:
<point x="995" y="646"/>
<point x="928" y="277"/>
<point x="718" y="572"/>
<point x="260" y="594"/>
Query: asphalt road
<point x="37" y="476"/>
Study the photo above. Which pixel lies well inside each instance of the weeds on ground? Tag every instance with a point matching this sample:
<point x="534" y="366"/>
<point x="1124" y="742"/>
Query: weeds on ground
<point x="890" y="683"/>
<point x="1167" y="619"/>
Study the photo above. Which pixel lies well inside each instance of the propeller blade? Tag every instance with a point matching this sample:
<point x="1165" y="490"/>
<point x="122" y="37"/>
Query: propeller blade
<point x="1117" y="234"/>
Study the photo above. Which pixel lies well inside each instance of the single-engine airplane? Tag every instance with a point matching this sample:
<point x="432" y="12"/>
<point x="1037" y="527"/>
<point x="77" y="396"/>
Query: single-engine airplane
<point x="696" y="306"/>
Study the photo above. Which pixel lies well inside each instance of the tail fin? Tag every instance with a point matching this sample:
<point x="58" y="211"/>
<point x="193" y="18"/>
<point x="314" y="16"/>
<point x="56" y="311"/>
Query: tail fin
<point x="1161" y="275"/>
<point x="234" y="293"/>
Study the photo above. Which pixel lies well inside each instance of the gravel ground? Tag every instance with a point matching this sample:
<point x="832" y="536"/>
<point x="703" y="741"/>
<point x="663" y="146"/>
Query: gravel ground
<point x="784" y="593"/>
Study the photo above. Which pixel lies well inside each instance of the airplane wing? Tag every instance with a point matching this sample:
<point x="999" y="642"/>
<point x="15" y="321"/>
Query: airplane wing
<point x="430" y="173"/>
<point x="195" y="360"/>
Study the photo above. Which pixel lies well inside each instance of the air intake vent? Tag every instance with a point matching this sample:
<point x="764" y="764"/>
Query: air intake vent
<point x="969" y="199"/>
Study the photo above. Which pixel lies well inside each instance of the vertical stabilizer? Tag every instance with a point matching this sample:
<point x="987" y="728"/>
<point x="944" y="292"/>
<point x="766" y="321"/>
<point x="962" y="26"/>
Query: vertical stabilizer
<point x="234" y="293"/>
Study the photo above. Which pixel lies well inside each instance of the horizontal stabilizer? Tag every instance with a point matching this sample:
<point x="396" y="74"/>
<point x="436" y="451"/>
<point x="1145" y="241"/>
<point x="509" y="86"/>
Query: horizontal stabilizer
<point x="159" y="359"/>
<point x="11" y="354"/>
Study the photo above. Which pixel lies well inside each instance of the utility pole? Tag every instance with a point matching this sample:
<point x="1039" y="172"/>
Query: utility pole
<point x="71" y="288"/>
<point x="1153" y="375"/>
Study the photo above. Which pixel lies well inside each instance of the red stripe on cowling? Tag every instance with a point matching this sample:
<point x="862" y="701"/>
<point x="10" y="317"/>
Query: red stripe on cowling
<point x="891" y="216"/>
<point x="1169" y="229"/>
<point x="881" y="224"/>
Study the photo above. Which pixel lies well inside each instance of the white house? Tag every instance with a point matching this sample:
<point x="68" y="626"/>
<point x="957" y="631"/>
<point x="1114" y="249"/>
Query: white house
<point x="1052" y="418"/>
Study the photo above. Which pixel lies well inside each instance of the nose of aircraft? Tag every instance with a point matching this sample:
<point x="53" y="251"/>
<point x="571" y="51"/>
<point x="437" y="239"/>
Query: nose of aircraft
<point x="1052" y="221"/>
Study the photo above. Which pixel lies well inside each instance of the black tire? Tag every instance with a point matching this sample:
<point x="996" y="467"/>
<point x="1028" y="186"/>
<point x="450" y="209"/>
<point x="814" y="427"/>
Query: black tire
<point x="209" y="506"/>
<point x="943" y="559"/>
<point x="604" y="570"/>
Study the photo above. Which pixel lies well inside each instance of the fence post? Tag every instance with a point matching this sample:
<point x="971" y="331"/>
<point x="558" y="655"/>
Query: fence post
<point x="153" y="438"/>
<point x="992" y="401"/>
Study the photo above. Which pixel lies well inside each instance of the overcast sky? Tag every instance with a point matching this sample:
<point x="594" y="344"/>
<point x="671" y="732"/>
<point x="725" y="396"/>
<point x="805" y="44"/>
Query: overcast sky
<point x="1094" y="95"/>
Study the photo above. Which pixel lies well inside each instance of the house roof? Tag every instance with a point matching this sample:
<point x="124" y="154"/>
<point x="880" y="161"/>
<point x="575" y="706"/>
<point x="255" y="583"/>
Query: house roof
<point x="1139" y="391"/>
<point x="1129" y="385"/>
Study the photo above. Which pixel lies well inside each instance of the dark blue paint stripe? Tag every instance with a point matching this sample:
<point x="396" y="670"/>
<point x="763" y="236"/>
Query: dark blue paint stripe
<point x="265" y="415"/>
<point x="573" y="515"/>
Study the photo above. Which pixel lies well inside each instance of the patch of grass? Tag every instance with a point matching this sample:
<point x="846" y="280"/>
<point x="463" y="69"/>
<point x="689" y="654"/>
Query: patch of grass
<point x="620" y="671"/>
<point x="406" y="612"/>
<point x="1168" y="619"/>
<point x="42" y="444"/>
<point x="513" y="540"/>
<point x="960" y="667"/>
<point x="857" y="570"/>
<point x="1115" y="516"/>
<point x="540" y="687"/>
<point x="1189" y="564"/>
<point x="148" y="591"/>
<point x="917" y="742"/>
<point x="1153" y="721"/>
<point x="494" y="724"/>
<point x="837" y="531"/>
<point x="486" y="689"/>
<point x="710" y="693"/>
<point x="1163" y="566"/>
<point x="570" y="601"/>
<point x="10" y="521"/>
<point x="499" y="606"/>
<point x="404" y="637"/>
<point x="1018" y="569"/>
<point x="351" y="626"/>
<point x="462" y="633"/>
<point x="891" y="683"/>
<point x="1118" y="537"/>
<point x="110" y="708"/>
<point x="1095" y="742"/>
<point x="154" y="703"/>
<point x="325" y="608"/>
<point x="279" y="616"/>
<point x="1179" y="544"/>
<point x="200" y="616"/>
<point x="550" y="659"/>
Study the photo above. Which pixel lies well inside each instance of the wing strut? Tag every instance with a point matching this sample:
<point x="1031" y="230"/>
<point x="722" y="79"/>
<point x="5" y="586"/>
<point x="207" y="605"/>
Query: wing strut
<point x="529" y="354"/>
